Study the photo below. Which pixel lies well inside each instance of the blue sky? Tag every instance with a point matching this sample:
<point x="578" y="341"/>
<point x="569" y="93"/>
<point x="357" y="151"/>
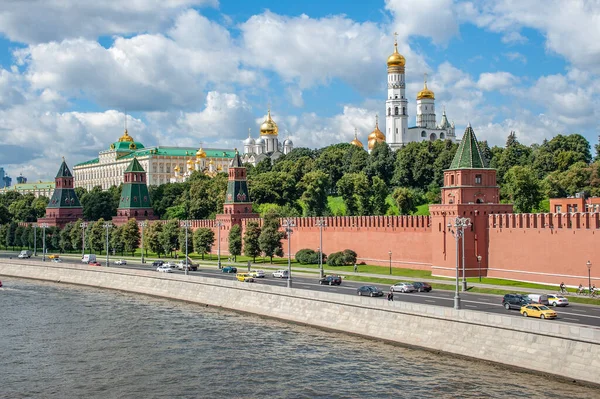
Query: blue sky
<point x="191" y="71"/>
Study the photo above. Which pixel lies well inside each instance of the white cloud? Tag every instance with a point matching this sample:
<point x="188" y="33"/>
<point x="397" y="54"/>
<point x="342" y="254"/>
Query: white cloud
<point x="516" y="56"/>
<point x="496" y="81"/>
<point x="34" y="21"/>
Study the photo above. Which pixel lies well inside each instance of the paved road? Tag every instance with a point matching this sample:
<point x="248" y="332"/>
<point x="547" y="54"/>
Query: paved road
<point x="574" y="313"/>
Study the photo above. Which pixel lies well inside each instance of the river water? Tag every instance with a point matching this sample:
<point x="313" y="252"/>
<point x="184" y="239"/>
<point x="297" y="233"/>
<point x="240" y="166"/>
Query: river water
<point x="61" y="341"/>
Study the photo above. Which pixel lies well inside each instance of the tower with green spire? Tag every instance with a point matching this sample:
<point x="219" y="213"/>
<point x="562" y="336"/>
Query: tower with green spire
<point x="470" y="191"/>
<point x="237" y="204"/>
<point x="64" y="206"/>
<point x="135" y="199"/>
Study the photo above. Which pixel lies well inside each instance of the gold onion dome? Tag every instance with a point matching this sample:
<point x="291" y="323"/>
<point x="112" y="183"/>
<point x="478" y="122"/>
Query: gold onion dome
<point x="176" y="168"/>
<point x="356" y="141"/>
<point x="425" y="93"/>
<point x="200" y="153"/>
<point x="376" y="135"/>
<point x="396" y="59"/>
<point x="269" y="127"/>
<point x="126" y="137"/>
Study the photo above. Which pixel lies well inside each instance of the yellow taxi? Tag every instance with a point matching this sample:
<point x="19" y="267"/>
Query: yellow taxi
<point x="541" y="311"/>
<point x="244" y="277"/>
<point x="53" y="256"/>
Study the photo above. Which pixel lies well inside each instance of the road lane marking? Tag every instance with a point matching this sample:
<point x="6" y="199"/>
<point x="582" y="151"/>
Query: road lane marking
<point x="471" y="306"/>
<point x="570" y="318"/>
<point x="429" y="300"/>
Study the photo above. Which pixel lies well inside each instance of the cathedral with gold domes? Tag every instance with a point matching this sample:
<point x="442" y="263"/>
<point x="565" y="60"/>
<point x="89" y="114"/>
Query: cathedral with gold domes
<point x="267" y="145"/>
<point x="397" y="134"/>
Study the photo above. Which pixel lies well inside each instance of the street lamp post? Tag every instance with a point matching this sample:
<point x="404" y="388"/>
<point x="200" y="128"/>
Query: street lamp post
<point x="390" y="253"/>
<point x="321" y="223"/>
<point x="186" y="224"/>
<point x="43" y="226"/>
<point x="218" y="225"/>
<point x="459" y="229"/>
<point x="589" y="266"/>
<point x="467" y="223"/>
<point x="83" y="226"/>
<point x="479" y="264"/>
<point x="107" y="226"/>
<point x="288" y="225"/>
<point x="35" y="239"/>
<point x="142" y="225"/>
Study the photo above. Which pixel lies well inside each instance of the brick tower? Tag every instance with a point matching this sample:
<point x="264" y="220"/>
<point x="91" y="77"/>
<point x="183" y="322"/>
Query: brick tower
<point x="237" y="204"/>
<point x="135" y="200"/>
<point x="470" y="191"/>
<point x="64" y="206"/>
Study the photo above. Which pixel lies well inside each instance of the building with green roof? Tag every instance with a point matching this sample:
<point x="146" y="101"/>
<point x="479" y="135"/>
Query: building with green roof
<point x="135" y="199"/>
<point x="64" y="206"/>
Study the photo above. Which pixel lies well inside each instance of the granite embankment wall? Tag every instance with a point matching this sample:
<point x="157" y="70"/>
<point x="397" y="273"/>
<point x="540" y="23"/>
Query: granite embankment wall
<point x="566" y="350"/>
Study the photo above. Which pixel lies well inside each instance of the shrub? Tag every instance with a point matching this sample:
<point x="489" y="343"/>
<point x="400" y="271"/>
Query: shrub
<point x="307" y="256"/>
<point x="343" y="258"/>
<point x="349" y="256"/>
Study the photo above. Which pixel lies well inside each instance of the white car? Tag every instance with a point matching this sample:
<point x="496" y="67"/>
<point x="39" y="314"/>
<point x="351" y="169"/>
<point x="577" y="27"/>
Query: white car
<point x="121" y="262"/>
<point x="257" y="273"/>
<point x="280" y="273"/>
<point x="402" y="287"/>
<point x="57" y="260"/>
<point x="164" y="269"/>
<point x="557" y="300"/>
<point x="171" y="265"/>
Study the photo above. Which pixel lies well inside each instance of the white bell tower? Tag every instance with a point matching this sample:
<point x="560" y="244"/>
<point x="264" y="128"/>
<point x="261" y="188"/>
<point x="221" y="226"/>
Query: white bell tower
<point x="396" y="120"/>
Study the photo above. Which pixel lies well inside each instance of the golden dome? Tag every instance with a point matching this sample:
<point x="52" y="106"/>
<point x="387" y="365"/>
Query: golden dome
<point x="200" y="153"/>
<point x="126" y="137"/>
<point x="269" y="127"/>
<point x="176" y="168"/>
<point x="198" y="161"/>
<point x="211" y="162"/>
<point x="425" y="93"/>
<point x="396" y="59"/>
<point x="376" y="135"/>
<point x="189" y="162"/>
<point x="356" y="141"/>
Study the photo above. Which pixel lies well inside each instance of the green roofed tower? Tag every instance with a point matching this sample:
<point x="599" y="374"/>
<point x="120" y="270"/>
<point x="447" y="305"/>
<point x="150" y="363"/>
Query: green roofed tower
<point x="135" y="199"/>
<point x="468" y="155"/>
<point x="64" y="206"/>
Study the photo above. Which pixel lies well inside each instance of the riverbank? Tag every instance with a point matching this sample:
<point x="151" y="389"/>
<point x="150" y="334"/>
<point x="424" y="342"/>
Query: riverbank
<point x="565" y="350"/>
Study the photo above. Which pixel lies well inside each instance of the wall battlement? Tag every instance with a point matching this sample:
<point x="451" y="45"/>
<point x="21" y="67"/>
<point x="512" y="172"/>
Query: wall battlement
<point x="415" y="222"/>
<point x="545" y="221"/>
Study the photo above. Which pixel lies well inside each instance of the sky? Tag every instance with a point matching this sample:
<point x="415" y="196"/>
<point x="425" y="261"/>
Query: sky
<point x="73" y="73"/>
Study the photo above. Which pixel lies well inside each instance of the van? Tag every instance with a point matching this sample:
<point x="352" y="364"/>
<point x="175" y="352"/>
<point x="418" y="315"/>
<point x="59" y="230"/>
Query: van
<point x="87" y="258"/>
<point x="539" y="298"/>
<point x="24" y="254"/>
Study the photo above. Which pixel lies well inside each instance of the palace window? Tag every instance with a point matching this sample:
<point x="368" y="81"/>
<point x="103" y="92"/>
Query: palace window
<point x="423" y="134"/>
<point x="477" y="179"/>
<point x="403" y="110"/>
<point x="396" y="111"/>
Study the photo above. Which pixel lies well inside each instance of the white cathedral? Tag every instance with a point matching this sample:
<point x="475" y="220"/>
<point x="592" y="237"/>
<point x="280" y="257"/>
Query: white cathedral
<point x="397" y="133"/>
<point x="267" y="145"/>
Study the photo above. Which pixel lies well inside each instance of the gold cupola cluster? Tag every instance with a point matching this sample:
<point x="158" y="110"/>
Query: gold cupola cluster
<point x="376" y="135"/>
<point x="425" y="93"/>
<point x="356" y="141"/>
<point x="269" y="127"/>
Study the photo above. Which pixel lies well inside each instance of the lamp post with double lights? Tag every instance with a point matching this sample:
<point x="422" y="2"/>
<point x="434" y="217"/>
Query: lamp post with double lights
<point x="288" y="225"/>
<point x="218" y="225"/>
<point x="44" y="226"/>
<point x="142" y="225"/>
<point x="107" y="226"/>
<point x="589" y="266"/>
<point x="321" y="223"/>
<point x="458" y="231"/>
<point x="187" y="224"/>
<point x="35" y="239"/>
<point x="466" y="222"/>
<point x="479" y="264"/>
<point x="83" y="226"/>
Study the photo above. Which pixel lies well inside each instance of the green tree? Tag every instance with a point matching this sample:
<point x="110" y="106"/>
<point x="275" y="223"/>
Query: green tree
<point x="405" y="200"/>
<point x="131" y="236"/>
<point x="9" y="238"/>
<point x="168" y="237"/>
<point x="117" y="244"/>
<point x="4" y="214"/>
<point x="315" y="186"/>
<point x="523" y="188"/>
<point x="235" y="241"/>
<point x="77" y="235"/>
<point x="204" y="238"/>
<point x="18" y="240"/>
<point x="55" y="240"/>
<point x="269" y="241"/>
<point x="206" y="196"/>
<point x="166" y="196"/>
<point x="94" y="236"/>
<point x="381" y="162"/>
<point x="152" y="237"/>
<point x="65" y="238"/>
<point x="99" y="204"/>
<point x="251" y="244"/>
<point x="38" y="207"/>
<point x="27" y="237"/>
<point x="273" y="187"/>
<point x="3" y="233"/>
<point x="379" y="193"/>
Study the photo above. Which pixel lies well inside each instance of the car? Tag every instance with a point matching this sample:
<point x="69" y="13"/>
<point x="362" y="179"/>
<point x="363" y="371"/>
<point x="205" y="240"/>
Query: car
<point x="25" y="254"/>
<point x="557" y="300"/>
<point x="182" y="266"/>
<point x="56" y="260"/>
<point x="244" y="277"/>
<point x="171" y="265"/>
<point x="331" y="280"/>
<point x="535" y="310"/>
<point x="121" y="262"/>
<point x="422" y="287"/>
<point x="164" y="269"/>
<point x="229" y="269"/>
<point x="403" y="287"/>
<point x="539" y="298"/>
<point x="95" y="264"/>
<point x="369" y="290"/>
<point x="283" y="273"/>
<point x="515" y="301"/>
<point x="53" y="256"/>
<point x="157" y="263"/>
<point x="257" y="273"/>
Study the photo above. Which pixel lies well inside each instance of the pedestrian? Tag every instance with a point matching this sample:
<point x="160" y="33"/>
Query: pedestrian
<point x="355" y="268"/>
<point x="390" y="296"/>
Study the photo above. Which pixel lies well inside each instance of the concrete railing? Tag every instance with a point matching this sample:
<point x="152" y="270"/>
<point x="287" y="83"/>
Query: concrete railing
<point x="567" y="350"/>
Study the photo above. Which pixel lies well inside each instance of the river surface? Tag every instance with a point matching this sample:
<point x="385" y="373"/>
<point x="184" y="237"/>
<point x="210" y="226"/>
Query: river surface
<point x="61" y="341"/>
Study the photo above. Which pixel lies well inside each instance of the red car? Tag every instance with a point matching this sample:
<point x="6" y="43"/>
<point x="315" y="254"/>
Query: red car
<point x="95" y="264"/>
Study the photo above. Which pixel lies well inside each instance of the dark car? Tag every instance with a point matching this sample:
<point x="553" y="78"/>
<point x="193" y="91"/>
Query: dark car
<point x="422" y="287"/>
<point x="229" y="269"/>
<point x="157" y="263"/>
<point x="369" y="290"/>
<point x="331" y="280"/>
<point x="515" y="301"/>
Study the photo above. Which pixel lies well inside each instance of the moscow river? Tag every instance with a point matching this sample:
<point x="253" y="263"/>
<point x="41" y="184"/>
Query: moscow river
<point x="60" y="341"/>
